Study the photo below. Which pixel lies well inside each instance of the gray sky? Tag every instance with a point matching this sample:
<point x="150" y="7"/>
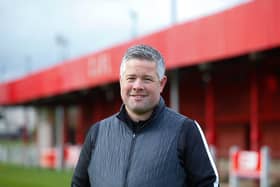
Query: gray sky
<point x="36" y="34"/>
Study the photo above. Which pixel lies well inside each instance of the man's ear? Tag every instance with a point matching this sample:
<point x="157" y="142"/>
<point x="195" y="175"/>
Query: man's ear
<point x="163" y="83"/>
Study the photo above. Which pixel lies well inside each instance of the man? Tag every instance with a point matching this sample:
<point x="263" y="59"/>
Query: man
<point x="146" y="144"/>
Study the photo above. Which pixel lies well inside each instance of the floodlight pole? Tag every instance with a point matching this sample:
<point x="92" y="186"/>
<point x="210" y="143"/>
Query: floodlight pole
<point x="134" y="22"/>
<point x="173" y="11"/>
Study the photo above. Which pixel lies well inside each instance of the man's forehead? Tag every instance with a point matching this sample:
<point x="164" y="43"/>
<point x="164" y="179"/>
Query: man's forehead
<point x="140" y="62"/>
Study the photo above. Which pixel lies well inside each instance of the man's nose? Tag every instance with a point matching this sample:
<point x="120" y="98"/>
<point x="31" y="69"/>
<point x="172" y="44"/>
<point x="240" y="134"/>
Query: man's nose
<point x="138" y="84"/>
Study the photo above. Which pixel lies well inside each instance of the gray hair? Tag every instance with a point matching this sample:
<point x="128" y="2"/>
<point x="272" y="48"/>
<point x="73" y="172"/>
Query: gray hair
<point x="144" y="52"/>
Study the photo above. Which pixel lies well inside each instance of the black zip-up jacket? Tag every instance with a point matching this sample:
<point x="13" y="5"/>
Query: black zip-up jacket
<point x="168" y="150"/>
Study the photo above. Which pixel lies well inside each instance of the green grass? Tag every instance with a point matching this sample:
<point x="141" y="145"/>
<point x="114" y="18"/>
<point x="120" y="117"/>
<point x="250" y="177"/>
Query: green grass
<point x="18" y="176"/>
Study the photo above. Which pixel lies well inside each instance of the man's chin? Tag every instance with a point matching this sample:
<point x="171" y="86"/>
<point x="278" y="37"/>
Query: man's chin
<point x="141" y="110"/>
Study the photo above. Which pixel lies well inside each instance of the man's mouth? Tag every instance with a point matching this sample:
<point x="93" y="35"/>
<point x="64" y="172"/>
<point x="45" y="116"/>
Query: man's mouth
<point x="137" y="96"/>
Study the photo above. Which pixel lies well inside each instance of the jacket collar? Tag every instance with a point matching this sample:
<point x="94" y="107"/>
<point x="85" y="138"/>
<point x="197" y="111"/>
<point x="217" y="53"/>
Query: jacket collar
<point x="135" y="126"/>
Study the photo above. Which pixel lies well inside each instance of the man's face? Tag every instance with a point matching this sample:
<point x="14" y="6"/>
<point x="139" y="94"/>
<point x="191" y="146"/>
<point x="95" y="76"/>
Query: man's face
<point x="140" y="87"/>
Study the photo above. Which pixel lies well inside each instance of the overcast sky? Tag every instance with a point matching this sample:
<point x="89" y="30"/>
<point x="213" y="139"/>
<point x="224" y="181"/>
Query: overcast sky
<point x="36" y="34"/>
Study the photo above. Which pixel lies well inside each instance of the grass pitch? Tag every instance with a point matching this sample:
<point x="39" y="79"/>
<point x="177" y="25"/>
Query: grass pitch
<point x="19" y="176"/>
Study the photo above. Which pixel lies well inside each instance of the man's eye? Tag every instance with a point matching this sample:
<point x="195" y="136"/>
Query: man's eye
<point x="148" y="80"/>
<point x="130" y="78"/>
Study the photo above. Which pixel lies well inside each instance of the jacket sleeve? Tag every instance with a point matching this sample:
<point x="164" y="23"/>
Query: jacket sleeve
<point x="80" y="177"/>
<point x="195" y="156"/>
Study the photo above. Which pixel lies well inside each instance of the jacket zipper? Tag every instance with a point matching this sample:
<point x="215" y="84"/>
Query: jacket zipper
<point x="129" y="159"/>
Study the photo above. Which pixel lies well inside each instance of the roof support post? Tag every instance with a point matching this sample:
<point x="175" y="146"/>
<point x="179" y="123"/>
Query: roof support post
<point x="254" y="111"/>
<point x="59" y="124"/>
<point x="174" y="90"/>
<point x="210" y="111"/>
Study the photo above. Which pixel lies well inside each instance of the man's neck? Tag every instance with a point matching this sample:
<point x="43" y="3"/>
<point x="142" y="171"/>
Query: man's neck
<point x="139" y="117"/>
